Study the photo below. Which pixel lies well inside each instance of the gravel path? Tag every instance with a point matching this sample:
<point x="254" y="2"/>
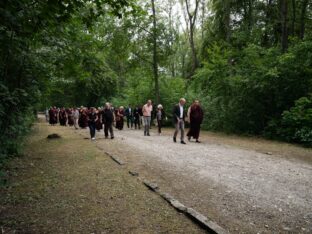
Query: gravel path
<point x="242" y="190"/>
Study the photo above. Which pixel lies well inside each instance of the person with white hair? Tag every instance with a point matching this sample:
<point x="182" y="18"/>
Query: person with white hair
<point x="160" y="116"/>
<point x="178" y="120"/>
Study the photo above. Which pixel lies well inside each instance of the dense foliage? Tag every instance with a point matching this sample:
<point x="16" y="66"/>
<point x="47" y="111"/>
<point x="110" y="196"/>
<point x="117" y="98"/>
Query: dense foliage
<point x="47" y="52"/>
<point x="248" y="62"/>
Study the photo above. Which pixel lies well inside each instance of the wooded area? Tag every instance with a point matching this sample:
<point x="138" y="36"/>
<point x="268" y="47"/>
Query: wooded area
<point x="249" y="62"/>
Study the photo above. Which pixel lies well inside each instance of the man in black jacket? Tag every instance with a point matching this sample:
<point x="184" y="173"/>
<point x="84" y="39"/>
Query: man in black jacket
<point x="129" y="115"/>
<point x="178" y="119"/>
<point x="108" y="119"/>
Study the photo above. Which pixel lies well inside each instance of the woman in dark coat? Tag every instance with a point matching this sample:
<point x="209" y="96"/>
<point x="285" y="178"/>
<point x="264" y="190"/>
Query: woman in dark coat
<point x="195" y="115"/>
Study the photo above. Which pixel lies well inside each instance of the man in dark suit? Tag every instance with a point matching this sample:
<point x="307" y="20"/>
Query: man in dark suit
<point x="129" y="115"/>
<point x="178" y="119"/>
<point x="108" y="118"/>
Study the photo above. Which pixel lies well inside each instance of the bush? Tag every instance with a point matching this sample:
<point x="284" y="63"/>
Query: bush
<point x="16" y="117"/>
<point x="296" y="124"/>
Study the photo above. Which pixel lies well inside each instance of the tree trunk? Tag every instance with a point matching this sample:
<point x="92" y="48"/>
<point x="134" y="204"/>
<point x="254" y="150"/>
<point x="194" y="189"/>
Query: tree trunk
<point x="155" y="61"/>
<point x="293" y="22"/>
<point x="192" y="23"/>
<point x="302" y="19"/>
<point x="227" y="21"/>
<point x="284" y="35"/>
<point x="268" y="15"/>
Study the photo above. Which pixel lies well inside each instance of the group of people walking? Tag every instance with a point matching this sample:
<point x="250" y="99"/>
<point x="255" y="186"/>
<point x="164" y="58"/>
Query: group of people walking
<point x="95" y="118"/>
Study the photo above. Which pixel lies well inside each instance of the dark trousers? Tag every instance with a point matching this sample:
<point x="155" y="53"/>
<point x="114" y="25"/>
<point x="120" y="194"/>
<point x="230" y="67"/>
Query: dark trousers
<point x="159" y="124"/>
<point x="194" y="130"/>
<point x="137" y="123"/>
<point x="129" y="120"/>
<point x="108" y="126"/>
<point x="92" y="129"/>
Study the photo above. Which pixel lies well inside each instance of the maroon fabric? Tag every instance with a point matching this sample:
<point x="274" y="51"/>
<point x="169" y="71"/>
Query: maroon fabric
<point x="52" y="116"/>
<point x="62" y="117"/>
<point x="196" y="114"/>
<point x="196" y="118"/>
<point x="83" y="119"/>
<point x="70" y="117"/>
<point x="119" y="119"/>
<point x="98" y="123"/>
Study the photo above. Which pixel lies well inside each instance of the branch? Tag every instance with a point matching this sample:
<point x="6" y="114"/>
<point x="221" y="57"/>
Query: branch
<point x="143" y="59"/>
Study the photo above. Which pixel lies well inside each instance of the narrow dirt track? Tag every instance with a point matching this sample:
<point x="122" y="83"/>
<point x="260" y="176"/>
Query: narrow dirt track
<point x="243" y="190"/>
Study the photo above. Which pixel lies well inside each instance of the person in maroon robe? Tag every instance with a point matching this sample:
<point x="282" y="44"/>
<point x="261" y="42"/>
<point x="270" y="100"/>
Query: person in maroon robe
<point x="63" y="117"/>
<point x="52" y="117"/>
<point x="83" y="118"/>
<point x="98" y="123"/>
<point x="70" y="116"/>
<point x="195" y="116"/>
<point x="120" y="118"/>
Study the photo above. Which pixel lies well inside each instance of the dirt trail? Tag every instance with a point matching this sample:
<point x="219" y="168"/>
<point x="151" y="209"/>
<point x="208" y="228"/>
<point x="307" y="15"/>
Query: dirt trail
<point x="240" y="185"/>
<point x="67" y="185"/>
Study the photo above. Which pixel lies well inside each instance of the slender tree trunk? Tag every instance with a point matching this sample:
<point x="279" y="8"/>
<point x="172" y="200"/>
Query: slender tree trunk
<point x="265" y="40"/>
<point x="227" y="21"/>
<point x="194" y="55"/>
<point x="203" y="9"/>
<point x="284" y="35"/>
<point x="293" y="22"/>
<point x="250" y="14"/>
<point x="302" y="19"/>
<point x="155" y="61"/>
<point x="192" y="23"/>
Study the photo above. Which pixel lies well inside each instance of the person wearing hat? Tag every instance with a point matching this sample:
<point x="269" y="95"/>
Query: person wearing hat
<point x="160" y="115"/>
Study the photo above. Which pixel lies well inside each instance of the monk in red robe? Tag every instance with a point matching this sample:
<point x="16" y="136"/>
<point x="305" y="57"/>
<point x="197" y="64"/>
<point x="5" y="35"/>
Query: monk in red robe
<point x="52" y="116"/>
<point x="70" y="116"/>
<point x="83" y="118"/>
<point x="195" y="116"/>
<point x="98" y="123"/>
<point x="120" y="118"/>
<point x="62" y="117"/>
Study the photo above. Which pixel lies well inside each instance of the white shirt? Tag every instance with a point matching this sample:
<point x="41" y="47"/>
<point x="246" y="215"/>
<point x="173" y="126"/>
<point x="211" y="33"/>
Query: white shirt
<point x="181" y="111"/>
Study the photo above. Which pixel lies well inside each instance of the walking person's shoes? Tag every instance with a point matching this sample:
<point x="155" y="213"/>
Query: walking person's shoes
<point x="197" y="141"/>
<point x="112" y="137"/>
<point x="183" y="143"/>
<point x="148" y="134"/>
<point x="93" y="139"/>
<point x="174" y="139"/>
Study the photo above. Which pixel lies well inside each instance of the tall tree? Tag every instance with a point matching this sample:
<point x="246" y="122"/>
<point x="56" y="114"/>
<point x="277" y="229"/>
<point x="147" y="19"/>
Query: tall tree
<point x="284" y="24"/>
<point x="155" y="59"/>
<point x="302" y="18"/>
<point x="191" y="26"/>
